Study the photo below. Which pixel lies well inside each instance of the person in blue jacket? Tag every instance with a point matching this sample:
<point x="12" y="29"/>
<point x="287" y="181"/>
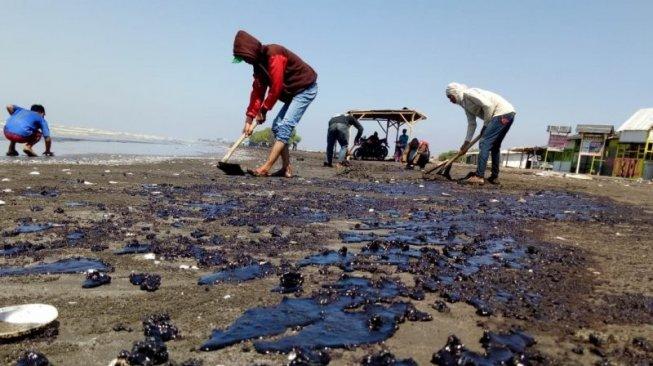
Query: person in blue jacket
<point x="26" y="127"/>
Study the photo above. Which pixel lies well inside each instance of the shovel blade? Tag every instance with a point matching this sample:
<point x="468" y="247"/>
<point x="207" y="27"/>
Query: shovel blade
<point x="231" y="168"/>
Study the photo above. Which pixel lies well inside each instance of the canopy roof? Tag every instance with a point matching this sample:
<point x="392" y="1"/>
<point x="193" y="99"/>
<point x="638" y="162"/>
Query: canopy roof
<point x="400" y="116"/>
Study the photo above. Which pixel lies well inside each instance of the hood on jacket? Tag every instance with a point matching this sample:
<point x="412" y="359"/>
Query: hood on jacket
<point x="247" y="47"/>
<point x="456" y="90"/>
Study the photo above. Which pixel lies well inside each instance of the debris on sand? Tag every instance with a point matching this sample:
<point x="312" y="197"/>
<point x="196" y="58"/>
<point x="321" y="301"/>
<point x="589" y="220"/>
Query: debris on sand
<point x="151" y="351"/>
<point x="160" y="326"/>
<point x="148" y="282"/>
<point x="385" y="358"/>
<point x="290" y="282"/>
<point x="32" y="358"/>
<point x="96" y="278"/>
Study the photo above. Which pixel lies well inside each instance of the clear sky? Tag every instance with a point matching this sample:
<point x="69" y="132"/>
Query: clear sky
<point x="164" y="67"/>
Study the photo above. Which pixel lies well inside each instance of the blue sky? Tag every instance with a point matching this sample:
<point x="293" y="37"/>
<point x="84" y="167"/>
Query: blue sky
<point x="164" y="67"/>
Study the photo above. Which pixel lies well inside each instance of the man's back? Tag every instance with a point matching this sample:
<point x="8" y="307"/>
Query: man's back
<point x="24" y="123"/>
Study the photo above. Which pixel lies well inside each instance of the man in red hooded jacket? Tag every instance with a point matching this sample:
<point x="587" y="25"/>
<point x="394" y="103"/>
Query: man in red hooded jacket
<point x="284" y="76"/>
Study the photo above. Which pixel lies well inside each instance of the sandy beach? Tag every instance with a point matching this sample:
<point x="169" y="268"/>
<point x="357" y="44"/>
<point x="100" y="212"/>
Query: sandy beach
<point x="568" y="261"/>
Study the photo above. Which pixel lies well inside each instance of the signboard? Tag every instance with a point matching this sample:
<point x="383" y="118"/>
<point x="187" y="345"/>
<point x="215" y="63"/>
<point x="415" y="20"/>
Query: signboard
<point x="557" y="141"/>
<point x="592" y="144"/>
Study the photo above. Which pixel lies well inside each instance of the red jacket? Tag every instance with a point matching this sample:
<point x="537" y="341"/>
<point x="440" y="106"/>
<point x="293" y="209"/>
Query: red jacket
<point x="276" y="68"/>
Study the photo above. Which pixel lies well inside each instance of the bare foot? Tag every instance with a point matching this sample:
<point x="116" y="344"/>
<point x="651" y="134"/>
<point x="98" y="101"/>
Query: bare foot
<point x="258" y="172"/>
<point x="287" y="173"/>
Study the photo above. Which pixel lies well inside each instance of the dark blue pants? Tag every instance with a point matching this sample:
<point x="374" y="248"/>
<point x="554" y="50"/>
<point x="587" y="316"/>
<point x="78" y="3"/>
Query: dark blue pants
<point x="493" y="135"/>
<point x="337" y="133"/>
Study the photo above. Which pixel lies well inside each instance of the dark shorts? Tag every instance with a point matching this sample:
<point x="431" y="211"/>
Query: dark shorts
<point x="34" y="138"/>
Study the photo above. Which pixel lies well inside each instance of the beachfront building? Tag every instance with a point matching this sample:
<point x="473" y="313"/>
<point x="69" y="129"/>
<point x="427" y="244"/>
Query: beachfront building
<point x="516" y="157"/>
<point x="634" y="150"/>
<point x="591" y="143"/>
<point x="558" y="155"/>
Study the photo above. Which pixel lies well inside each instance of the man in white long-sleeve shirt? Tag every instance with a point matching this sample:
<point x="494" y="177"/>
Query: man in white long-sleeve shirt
<point x="497" y="115"/>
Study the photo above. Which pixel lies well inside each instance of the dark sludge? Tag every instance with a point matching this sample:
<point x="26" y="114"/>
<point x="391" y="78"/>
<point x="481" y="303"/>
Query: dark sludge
<point x="151" y="351"/>
<point x="340" y="329"/>
<point x="262" y="322"/>
<point x="10" y="250"/>
<point x="238" y="274"/>
<point x="148" y="282"/>
<point x="32" y="358"/>
<point x="385" y="358"/>
<point x="327" y="318"/>
<point x="134" y="248"/>
<point x="290" y="282"/>
<point x="309" y="357"/>
<point x="160" y="326"/>
<point x="31" y="228"/>
<point x="75" y="236"/>
<point x="500" y="349"/>
<point x="96" y="278"/>
<point x="63" y="266"/>
<point x="341" y="259"/>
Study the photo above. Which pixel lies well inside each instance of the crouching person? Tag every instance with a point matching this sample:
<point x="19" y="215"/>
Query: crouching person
<point x="26" y="127"/>
<point x="417" y="153"/>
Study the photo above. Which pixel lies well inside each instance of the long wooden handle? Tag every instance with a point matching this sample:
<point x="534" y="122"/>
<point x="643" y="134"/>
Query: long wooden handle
<point x="236" y="144"/>
<point x="455" y="157"/>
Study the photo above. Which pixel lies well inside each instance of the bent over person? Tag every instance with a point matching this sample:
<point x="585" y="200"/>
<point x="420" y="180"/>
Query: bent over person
<point x="497" y="115"/>
<point x="339" y="131"/>
<point x="283" y="76"/>
<point x="26" y="127"/>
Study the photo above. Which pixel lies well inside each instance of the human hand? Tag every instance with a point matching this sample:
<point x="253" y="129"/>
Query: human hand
<point x="261" y="116"/>
<point x="249" y="126"/>
<point x="464" y="146"/>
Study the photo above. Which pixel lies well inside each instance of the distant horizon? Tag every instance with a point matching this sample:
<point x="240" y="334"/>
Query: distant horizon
<point x="164" y="68"/>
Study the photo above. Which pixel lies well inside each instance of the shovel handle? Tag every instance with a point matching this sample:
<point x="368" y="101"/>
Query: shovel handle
<point x="455" y="157"/>
<point x="235" y="146"/>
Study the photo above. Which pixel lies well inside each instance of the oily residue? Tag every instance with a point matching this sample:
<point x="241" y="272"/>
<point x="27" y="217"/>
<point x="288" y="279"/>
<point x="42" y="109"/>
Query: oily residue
<point x="69" y="265"/>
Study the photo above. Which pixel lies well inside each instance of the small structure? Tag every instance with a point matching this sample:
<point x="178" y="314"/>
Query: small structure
<point x="634" y="152"/>
<point x="389" y="119"/>
<point x="516" y="157"/>
<point x="593" y="140"/>
<point x="558" y="140"/>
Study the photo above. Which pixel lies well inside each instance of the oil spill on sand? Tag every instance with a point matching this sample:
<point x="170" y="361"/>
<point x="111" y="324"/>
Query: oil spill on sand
<point x="63" y="266"/>
<point x="328" y="318"/>
<point x="500" y="349"/>
<point x="238" y="274"/>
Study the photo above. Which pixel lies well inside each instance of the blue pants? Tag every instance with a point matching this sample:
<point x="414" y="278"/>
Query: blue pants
<point x="290" y="114"/>
<point x="340" y="133"/>
<point x="493" y="135"/>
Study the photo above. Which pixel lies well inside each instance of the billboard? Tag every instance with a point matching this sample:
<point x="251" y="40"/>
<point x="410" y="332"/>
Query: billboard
<point x="558" y="136"/>
<point x="557" y="142"/>
<point x="592" y="144"/>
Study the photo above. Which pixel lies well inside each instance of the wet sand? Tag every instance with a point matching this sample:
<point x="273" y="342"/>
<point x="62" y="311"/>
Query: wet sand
<point x="584" y="268"/>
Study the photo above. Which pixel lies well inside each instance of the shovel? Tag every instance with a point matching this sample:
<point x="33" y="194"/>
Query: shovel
<point x="232" y="168"/>
<point x="444" y="167"/>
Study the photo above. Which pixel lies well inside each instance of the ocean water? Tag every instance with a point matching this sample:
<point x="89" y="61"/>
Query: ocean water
<point x="104" y="152"/>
